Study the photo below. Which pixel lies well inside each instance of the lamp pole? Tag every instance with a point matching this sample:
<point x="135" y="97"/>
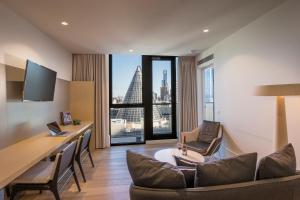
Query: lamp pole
<point x="281" y="136"/>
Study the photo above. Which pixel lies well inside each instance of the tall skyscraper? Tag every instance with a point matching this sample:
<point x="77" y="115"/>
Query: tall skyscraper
<point x="164" y="89"/>
<point x="164" y="82"/>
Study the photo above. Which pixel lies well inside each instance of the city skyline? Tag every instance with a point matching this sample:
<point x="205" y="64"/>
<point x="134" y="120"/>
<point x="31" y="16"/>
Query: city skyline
<point x="124" y="67"/>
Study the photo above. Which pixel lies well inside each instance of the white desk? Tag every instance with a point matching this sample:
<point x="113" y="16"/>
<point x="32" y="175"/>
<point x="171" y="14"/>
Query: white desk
<point x="19" y="157"/>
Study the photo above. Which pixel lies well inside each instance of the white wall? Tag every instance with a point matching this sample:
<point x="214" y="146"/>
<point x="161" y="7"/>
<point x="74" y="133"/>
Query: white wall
<point x="267" y="51"/>
<point x="20" y="40"/>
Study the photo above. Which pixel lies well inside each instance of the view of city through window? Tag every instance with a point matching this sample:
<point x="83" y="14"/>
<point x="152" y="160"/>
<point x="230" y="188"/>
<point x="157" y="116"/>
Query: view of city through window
<point x="162" y="110"/>
<point x="208" y="80"/>
<point x="127" y="111"/>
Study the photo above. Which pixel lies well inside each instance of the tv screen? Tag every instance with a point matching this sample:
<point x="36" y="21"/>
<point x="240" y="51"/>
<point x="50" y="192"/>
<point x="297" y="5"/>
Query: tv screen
<point x="39" y="83"/>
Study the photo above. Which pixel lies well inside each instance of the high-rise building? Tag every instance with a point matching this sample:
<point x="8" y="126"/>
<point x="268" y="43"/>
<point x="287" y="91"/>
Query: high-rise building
<point x="164" y="82"/>
<point x="154" y="97"/>
<point x="164" y="89"/>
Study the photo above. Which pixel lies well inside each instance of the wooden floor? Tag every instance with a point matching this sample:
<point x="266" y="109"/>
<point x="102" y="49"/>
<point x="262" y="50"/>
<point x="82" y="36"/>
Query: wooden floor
<point x="108" y="180"/>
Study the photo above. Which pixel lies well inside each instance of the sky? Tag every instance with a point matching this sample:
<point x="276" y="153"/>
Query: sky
<point x="124" y="66"/>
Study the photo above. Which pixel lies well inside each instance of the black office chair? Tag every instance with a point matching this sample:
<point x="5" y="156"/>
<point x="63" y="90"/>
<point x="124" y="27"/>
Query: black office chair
<point x="48" y="175"/>
<point x="84" y="150"/>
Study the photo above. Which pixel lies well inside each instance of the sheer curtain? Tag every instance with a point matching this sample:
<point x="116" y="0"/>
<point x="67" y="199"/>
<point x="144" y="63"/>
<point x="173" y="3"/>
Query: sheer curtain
<point x="187" y="93"/>
<point x="94" y="67"/>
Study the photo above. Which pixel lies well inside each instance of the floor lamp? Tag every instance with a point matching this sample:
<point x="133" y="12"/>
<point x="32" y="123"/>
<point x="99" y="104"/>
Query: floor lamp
<point x="280" y="91"/>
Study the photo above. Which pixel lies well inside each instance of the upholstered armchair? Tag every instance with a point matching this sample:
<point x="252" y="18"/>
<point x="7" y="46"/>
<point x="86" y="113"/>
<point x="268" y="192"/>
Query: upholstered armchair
<point x="205" y="139"/>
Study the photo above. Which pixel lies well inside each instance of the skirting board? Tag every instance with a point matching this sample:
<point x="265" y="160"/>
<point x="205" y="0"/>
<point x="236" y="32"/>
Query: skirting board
<point x="168" y="141"/>
<point x="229" y="153"/>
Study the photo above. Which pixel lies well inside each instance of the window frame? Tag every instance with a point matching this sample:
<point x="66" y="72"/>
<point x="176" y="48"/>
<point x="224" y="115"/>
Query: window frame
<point x="147" y="69"/>
<point x="147" y="99"/>
<point x="112" y="105"/>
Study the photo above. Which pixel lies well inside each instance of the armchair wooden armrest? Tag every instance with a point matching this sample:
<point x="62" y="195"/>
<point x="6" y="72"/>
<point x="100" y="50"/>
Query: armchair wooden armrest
<point x="190" y="136"/>
<point x="216" y="143"/>
<point x="214" y="146"/>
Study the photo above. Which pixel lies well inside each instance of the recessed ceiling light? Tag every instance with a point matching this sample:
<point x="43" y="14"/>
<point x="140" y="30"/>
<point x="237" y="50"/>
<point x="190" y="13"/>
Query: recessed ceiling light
<point x="205" y="30"/>
<point x="130" y="50"/>
<point x="64" y="23"/>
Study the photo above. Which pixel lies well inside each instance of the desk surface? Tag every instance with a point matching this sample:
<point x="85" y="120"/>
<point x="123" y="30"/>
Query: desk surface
<point x="19" y="157"/>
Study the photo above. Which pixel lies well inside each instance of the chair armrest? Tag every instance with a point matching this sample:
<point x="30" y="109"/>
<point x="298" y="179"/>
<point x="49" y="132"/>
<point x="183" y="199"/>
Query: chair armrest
<point x="214" y="146"/>
<point x="190" y="136"/>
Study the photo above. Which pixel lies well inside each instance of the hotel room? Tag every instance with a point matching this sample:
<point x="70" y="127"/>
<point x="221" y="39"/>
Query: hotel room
<point x="143" y="100"/>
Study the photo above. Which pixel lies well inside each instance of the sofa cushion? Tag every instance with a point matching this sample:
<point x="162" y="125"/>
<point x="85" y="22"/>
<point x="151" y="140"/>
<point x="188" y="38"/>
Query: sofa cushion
<point x="227" y="171"/>
<point x="279" y="164"/>
<point x="148" y="172"/>
<point x="209" y="131"/>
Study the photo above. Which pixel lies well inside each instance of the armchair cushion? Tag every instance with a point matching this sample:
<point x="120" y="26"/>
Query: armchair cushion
<point x="209" y="131"/>
<point x="227" y="171"/>
<point x="279" y="164"/>
<point x="148" y="172"/>
<point x="198" y="146"/>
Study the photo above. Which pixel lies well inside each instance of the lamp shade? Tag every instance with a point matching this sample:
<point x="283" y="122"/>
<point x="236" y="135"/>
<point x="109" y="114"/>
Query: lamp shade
<point x="278" y="90"/>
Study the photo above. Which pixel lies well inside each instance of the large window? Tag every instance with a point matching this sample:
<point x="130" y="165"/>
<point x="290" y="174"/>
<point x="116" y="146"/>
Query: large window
<point x="208" y="93"/>
<point x="126" y="99"/>
<point x="142" y="98"/>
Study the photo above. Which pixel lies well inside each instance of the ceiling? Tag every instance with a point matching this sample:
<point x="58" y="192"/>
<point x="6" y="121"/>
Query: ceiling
<point x="166" y="27"/>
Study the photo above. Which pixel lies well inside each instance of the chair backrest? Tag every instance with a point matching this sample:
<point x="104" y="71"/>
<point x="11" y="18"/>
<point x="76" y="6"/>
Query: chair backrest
<point x="84" y="141"/>
<point x="209" y="131"/>
<point x="64" y="160"/>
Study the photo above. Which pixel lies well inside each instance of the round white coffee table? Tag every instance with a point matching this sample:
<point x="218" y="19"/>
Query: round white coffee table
<point x="167" y="155"/>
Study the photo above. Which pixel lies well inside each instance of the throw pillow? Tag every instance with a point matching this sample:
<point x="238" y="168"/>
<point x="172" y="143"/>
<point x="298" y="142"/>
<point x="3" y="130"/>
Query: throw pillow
<point x="227" y="171"/>
<point x="148" y="172"/>
<point x="279" y="164"/>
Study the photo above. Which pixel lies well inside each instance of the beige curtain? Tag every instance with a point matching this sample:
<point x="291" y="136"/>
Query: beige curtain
<point x="94" y="67"/>
<point x="187" y="93"/>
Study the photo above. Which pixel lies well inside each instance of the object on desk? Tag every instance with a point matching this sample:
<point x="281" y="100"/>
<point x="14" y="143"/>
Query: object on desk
<point x="66" y="118"/>
<point x="54" y="129"/>
<point x="76" y="122"/>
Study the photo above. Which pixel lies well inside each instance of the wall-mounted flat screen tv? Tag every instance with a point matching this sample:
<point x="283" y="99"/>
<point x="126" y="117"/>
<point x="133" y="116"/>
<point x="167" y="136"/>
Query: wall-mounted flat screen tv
<point x="39" y="83"/>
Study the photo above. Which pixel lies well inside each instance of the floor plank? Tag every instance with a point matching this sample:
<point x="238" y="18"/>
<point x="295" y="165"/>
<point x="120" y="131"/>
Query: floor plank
<point x="109" y="180"/>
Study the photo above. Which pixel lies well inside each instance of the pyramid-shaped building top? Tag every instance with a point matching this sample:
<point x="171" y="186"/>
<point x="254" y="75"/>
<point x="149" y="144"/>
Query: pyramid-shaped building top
<point x="134" y="96"/>
<point x="134" y="92"/>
